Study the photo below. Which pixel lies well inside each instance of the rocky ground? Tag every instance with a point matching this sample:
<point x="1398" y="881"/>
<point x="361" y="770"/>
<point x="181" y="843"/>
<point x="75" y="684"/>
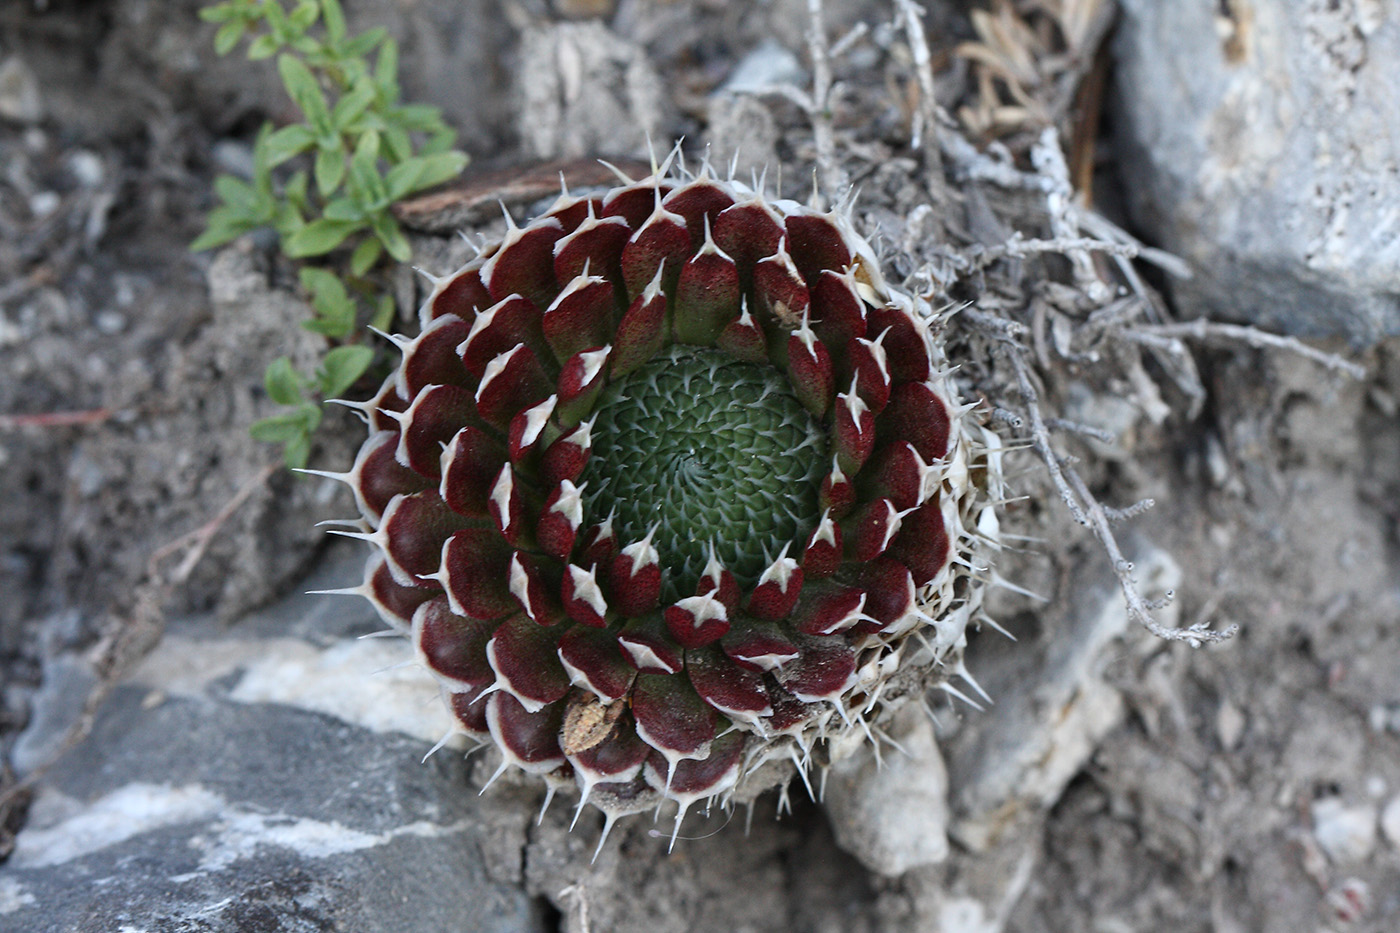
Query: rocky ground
<point x="191" y="744"/>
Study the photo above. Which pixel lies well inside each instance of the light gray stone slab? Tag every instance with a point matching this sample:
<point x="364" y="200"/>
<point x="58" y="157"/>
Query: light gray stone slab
<point x="1261" y="142"/>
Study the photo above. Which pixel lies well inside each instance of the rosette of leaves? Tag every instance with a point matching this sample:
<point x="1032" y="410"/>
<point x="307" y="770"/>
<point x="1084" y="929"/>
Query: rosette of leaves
<point x="672" y="485"/>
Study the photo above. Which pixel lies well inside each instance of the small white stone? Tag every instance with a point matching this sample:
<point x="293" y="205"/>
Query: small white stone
<point x="44" y="203"/>
<point x="1346" y="832"/>
<point x="1390" y="822"/>
<point x="893" y="814"/>
<point x="86" y="167"/>
<point x="1229" y="725"/>
<point x="20" y="100"/>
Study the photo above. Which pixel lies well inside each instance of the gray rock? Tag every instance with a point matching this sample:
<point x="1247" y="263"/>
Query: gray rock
<point x="892" y="812"/>
<point x="259" y="778"/>
<point x="587" y="91"/>
<point x="1043" y="729"/>
<point x="1262" y="146"/>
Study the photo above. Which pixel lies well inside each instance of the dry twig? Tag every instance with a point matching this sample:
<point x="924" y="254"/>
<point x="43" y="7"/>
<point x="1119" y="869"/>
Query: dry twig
<point x="1205" y="330"/>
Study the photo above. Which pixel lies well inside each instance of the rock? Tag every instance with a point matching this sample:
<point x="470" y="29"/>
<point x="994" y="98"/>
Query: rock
<point x="1346" y="832"/>
<point x="1390" y="822"/>
<point x="19" y="92"/>
<point x="586" y="91"/>
<point x="1268" y="157"/>
<point x="891" y="812"/>
<point x="742" y="133"/>
<point x="1042" y="730"/>
<point x="767" y="66"/>
<point x="259" y="778"/>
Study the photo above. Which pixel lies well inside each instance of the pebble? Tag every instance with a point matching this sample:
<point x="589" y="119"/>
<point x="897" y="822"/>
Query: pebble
<point x="44" y="203"/>
<point x="1390" y="822"/>
<point x="767" y="66"/>
<point x="19" y="92"/>
<point x="86" y="167"/>
<point x="1346" y="832"/>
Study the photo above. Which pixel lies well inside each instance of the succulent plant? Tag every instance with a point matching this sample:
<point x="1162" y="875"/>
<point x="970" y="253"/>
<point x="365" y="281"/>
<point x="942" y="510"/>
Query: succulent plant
<point x="672" y="486"/>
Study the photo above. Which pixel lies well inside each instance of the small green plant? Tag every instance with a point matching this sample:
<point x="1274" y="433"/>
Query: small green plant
<point x="327" y="184"/>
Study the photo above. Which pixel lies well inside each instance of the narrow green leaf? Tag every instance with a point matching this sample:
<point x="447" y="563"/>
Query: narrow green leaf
<point x="324" y="285"/>
<point x="218" y="13"/>
<point x="343" y="208"/>
<point x="365" y="256"/>
<point x="223" y="227"/>
<point x="305" y="92"/>
<point x="384" y="308"/>
<point x="364" y="43"/>
<point x="330" y="170"/>
<point x="386" y="72"/>
<point x="423" y="117"/>
<point x="334" y="18"/>
<point x="318" y="237"/>
<point x="295" y="191"/>
<point x="262" y="47"/>
<point x="364" y="172"/>
<point x="281" y="381"/>
<point x="274" y="14"/>
<point x="387" y="229"/>
<point x="341" y="367"/>
<point x="303" y="15"/>
<point x="239" y="195"/>
<point x="438" y="168"/>
<point x="403" y="178"/>
<point x="278" y="429"/>
<point x="397" y="144"/>
<point x="440" y="142"/>
<point x="297" y="451"/>
<point x="288" y="142"/>
<point x="349" y="107"/>
<point x="228" y="35"/>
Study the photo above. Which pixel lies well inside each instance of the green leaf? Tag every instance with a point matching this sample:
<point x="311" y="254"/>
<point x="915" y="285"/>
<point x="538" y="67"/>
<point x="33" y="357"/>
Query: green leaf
<point x="421" y="172"/>
<point x="386" y="72"/>
<point x="349" y="107"/>
<point x="397" y="144"/>
<point x="344" y="208"/>
<point x="303" y="15"/>
<point x="334" y="18"/>
<point x="423" y="117"/>
<point x="288" y="221"/>
<point x="218" y="13"/>
<point x="288" y="142"/>
<point x="297" y="451"/>
<point x="365" y="256"/>
<point x="364" y="172"/>
<point x="224" y="226"/>
<point x="295" y="190"/>
<point x="364" y="43"/>
<point x="341" y="367"/>
<point x="228" y="35"/>
<point x="330" y="170"/>
<point x="305" y="92"/>
<point x="279" y="429"/>
<point x="319" y="237"/>
<point x="384" y="308"/>
<point x="325" y="287"/>
<point x="274" y="14"/>
<point x="335" y="310"/>
<point x="263" y="47"/>
<point x="282" y="383"/>
<point x="403" y="178"/>
<point x="238" y="195"/>
<point x="387" y="229"/>
<point x="440" y="142"/>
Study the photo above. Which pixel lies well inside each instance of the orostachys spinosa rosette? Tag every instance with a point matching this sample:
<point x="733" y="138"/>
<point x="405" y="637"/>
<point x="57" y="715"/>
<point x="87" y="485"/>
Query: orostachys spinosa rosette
<point x="673" y="494"/>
